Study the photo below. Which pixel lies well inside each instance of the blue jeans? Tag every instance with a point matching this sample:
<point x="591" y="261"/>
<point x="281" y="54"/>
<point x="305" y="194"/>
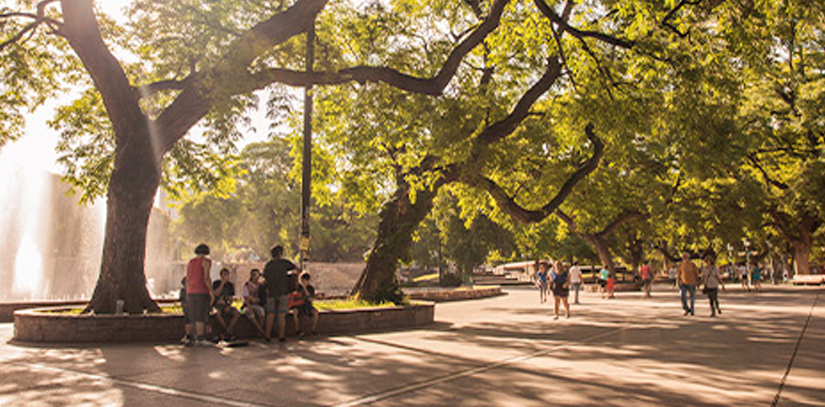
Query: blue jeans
<point x="688" y="288"/>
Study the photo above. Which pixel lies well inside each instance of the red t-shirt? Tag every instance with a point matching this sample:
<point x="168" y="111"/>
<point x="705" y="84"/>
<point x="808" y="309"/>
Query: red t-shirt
<point x="195" y="283"/>
<point x="645" y="272"/>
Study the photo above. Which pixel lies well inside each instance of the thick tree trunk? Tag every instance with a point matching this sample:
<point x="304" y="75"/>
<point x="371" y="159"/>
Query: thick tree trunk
<point x="399" y="219"/>
<point x="802" y="253"/>
<point x="132" y="189"/>
<point x="603" y="251"/>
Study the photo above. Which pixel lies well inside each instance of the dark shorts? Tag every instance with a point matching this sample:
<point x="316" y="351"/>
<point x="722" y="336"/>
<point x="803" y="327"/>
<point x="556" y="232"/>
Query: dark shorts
<point x="561" y="292"/>
<point x="279" y="304"/>
<point x="197" y="308"/>
<point x="602" y="283"/>
<point x="306" y="309"/>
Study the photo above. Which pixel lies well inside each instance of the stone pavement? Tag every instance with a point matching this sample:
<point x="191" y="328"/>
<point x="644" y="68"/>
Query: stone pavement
<point x="502" y="351"/>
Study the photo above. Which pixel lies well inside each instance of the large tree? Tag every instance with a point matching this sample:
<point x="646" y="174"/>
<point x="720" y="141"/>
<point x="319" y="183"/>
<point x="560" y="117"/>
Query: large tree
<point x="197" y="63"/>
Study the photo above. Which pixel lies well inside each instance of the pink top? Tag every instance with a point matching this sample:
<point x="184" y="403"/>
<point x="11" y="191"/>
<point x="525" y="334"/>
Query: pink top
<point x="195" y="283"/>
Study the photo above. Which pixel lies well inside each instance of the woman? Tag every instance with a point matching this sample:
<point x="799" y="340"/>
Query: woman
<point x="198" y="295"/>
<point x="541" y="280"/>
<point x="252" y="307"/>
<point x="712" y="279"/>
<point x="561" y="290"/>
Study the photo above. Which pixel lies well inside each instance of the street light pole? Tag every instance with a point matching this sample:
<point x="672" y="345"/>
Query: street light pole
<point x="747" y="245"/>
<point x="306" y="173"/>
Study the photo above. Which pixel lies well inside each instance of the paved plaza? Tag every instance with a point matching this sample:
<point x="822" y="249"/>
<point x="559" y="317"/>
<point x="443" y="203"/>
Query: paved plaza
<point x="502" y="351"/>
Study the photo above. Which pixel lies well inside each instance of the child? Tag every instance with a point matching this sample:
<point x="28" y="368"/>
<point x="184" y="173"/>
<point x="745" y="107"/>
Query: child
<point x="306" y="309"/>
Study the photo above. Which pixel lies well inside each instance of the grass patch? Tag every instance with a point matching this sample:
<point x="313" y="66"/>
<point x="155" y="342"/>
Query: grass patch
<point x="426" y="277"/>
<point x="349" y="303"/>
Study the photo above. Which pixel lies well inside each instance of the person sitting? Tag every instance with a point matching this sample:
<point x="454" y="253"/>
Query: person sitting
<point x="252" y="307"/>
<point x="307" y="292"/>
<point x="224" y="292"/>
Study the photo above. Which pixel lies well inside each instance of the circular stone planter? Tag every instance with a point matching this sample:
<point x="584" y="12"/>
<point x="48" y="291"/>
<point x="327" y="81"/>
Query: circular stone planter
<point x="455" y="294"/>
<point x="41" y="326"/>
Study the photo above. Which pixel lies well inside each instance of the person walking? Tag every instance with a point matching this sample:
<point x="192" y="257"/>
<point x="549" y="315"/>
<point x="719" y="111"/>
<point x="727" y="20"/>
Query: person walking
<point x="198" y="295"/>
<point x="541" y="280"/>
<point x="712" y="280"/>
<point x="604" y="275"/>
<point x="576" y="281"/>
<point x="646" y="273"/>
<point x="688" y="276"/>
<point x="277" y="287"/>
<point x="756" y="277"/>
<point x="561" y="290"/>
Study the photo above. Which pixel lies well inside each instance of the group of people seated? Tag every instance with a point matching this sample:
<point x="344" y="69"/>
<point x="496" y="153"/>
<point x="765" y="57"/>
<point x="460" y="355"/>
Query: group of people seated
<point x="300" y="294"/>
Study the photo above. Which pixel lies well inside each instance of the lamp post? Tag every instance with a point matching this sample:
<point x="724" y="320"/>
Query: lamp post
<point x="306" y="173"/>
<point x="747" y="245"/>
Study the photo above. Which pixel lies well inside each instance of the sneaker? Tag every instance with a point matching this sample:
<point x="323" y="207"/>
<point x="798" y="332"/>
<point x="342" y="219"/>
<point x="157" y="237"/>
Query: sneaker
<point x="281" y="340"/>
<point x="686" y="313"/>
<point x="556" y="317"/>
<point x="719" y="311"/>
<point x="713" y="315"/>
<point x="204" y="343"/>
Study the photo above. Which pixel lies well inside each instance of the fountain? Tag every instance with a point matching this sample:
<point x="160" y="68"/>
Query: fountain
<point x="49" y="244"/>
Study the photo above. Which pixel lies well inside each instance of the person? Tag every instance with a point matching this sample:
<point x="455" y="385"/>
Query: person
<point x="688" y="276"/>
<point x="744" y="277"/>
<point x="252" y="307"/>
<point x="306" y="309"/>
<point x="198" y="295"/>
<point x="604" y="275"/>
<point x="756" y="277"/>
<point x="561" y="290"/>
<point x="711" y="280"/>
<point x="277" y="301"/>
<point x="187" y="327"/>
<point x="646" y="273"/>
<point x="541" y="281"/>
<point x="223" y="292"/>
<point x="575" y="281"/>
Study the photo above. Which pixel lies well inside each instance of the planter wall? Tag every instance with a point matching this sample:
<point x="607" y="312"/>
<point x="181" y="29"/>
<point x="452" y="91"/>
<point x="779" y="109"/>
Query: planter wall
<point x="34" y="325"/>
<point x="456" y="294"/>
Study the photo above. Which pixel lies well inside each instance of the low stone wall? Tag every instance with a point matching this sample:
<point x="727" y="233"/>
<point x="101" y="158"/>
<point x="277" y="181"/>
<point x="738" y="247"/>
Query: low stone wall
<point x="458" y="294"/>
<point x="7" y="309"/>
<point x="34" y="325"/>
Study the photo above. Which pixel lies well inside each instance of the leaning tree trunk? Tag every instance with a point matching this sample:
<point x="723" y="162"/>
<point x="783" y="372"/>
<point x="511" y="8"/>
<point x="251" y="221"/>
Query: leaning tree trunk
<point x="802" y="253"/>
<point x="603" y="251"/>
<point x="132" y="189"/>
<point x="399" y="219"/>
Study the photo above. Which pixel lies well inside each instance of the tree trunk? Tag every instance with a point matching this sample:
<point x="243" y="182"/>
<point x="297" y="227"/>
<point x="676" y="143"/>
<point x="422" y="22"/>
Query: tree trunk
<point x="399" y="219"/>
<point x="802" y="253"/>
<point x="603" y="251"/>
<point x="132" y="189"/>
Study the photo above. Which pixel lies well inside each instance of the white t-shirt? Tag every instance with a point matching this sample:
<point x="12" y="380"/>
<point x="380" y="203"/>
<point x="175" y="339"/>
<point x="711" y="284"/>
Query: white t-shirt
<point x="575" y="275"/>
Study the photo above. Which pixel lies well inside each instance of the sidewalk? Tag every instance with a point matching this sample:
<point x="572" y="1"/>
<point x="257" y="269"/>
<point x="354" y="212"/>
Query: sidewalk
<point x="502" y="351"/>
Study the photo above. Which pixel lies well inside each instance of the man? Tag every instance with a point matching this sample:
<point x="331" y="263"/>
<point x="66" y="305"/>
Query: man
<point x="687" y="274"/>
<point x="277" y="301"/>
<point x="224" y="292"/>
<point x="646" y="273"/>
<point x="576" y="280"/>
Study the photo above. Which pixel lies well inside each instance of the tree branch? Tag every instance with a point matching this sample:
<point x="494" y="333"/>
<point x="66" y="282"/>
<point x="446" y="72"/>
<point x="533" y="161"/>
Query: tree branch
<point x="768" y="180"/>
<point x="198" y="97"/>
<point x="624" y="217"/>
<point x="83" y="34"/>
<point x="526" y="216"/>
<point x="506" y="126"/>
<point x="548" y="12"/>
